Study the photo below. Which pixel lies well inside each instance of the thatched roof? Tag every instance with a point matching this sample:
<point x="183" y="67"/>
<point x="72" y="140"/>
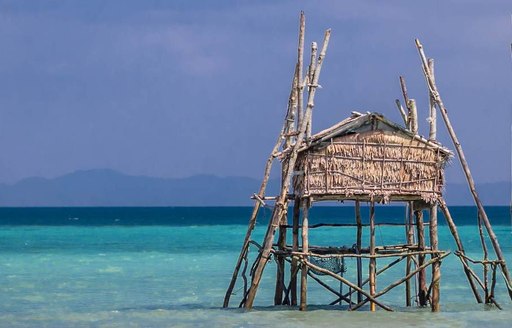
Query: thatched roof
<point x="358" y="123"/>
<point x="367" y="156"/>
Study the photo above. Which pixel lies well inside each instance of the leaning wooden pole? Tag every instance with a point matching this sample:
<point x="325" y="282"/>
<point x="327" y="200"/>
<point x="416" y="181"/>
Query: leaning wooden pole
<point x="300" y="73"/>
<point x="252" y="220"/>
<point x="293" y="111"/>
<point x="311" y="71"/>
<point x="432" y="119"/>
<point x="280" y="208"/>
<point x="462" y="158"/>
<point x="261" y="195"/>
<point x="434" y="241"/>
<point x="458" y="242"/>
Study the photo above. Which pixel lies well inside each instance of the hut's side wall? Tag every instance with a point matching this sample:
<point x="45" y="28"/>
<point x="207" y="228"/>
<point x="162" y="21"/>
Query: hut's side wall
<point x="375" y="163"/>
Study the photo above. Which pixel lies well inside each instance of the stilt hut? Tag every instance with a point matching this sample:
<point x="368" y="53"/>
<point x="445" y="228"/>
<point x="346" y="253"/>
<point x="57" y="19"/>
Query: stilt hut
<point x="364" y="158"/>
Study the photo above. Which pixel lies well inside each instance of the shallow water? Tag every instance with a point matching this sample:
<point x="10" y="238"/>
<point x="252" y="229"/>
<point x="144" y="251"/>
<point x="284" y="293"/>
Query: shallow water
<point x="176" y="274"/>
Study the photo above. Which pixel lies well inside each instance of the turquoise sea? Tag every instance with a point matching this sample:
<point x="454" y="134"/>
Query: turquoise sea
<point x="170" y="267"/>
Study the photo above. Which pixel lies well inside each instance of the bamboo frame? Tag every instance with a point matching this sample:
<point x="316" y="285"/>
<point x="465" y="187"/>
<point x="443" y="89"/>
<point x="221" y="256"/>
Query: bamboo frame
<point x="360" y="159"/>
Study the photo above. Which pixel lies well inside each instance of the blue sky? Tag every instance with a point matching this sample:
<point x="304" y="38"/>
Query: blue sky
<point x="177" y="88"/>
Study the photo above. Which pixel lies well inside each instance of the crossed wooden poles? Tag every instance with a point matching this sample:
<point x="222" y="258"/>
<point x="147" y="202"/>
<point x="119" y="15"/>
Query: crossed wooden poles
<point x="294" y="135"/>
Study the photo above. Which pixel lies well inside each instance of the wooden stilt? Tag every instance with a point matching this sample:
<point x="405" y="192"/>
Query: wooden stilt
<point x="436" y="266"/>
<point x="462" y="158"/>
<point x="305" y="249"/>
<point x="358" y="245"/>
<point x="281" y="244"/>
<point x="410" y="241"/>
<point x="295" y="248"/>
<point x="422" y="277"/>
<point x="372" y="269"/>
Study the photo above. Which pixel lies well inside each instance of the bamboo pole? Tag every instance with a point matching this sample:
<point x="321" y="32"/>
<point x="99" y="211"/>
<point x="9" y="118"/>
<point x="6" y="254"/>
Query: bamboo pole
<point x="422" y="275"/>
<point x="295" y="248"/>
<point x="436" y="267"/>
<point x="252" y="220"/>
<point x="305" y="250"/>
<point x="366" y="256"/>
<point x="266" y="175"/>
<point x="381" y="270"/>
<point x="402" y="111"/>
<point x="403" y="86"/>
<point x="455" y="234"/>
<point x="278" y="296"/>
<point x="279" y="208"/>
<point x="410" y="241"/>
<point x="413" y="116"/>
<point x="359" y="242"/>
<point x="432" y="106"/>
<point x="312" y="67"/>
<point x="444" y="113"/>
<point x="372" y="268"/>
<point x="300" y="65"/>
<point x="329" y="288"/>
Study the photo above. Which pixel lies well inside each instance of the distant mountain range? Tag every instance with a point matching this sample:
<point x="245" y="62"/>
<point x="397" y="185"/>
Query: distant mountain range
<point x="111" y="188"/>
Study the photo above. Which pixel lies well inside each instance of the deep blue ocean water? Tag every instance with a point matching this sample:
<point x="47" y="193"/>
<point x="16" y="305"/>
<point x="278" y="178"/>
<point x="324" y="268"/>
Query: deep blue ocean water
<point x="164" y="267"/>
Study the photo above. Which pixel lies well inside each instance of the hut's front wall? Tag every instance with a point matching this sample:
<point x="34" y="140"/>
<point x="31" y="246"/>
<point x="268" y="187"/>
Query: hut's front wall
<point x="378" y="164"/>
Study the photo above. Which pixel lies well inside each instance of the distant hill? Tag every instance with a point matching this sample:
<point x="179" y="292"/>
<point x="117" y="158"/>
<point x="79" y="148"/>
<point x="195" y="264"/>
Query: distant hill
<point x="111" y="188"/>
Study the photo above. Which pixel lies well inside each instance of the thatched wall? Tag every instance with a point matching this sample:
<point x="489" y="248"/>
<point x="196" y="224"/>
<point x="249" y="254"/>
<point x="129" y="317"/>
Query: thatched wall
<point x="374" y="163"/>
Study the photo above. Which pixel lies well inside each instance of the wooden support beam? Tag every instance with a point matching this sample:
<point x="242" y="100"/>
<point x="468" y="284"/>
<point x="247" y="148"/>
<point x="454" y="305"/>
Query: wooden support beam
<point x="268" y="167"/>
<point x="311" y="71"/>
<point x="281" y="244"/>
<point x="403" y="114"/>
<point x="359" y="246"/>
<point x="436" y="266"/>
<point x="432" y="119"/>
<point x="280" y="206"/>
<point x="462" y="158"/>
<point x="410" y="240"/>
<point x="295" y="248"/>
<point x="422" y="275"/>
<point x="403" y="86"/>
<point x="305" y="249"/>
<point x="329" y="288"/>
<point x="372" y="268"/>
<point x="300" y="68"/>
<point x="413" y="116"/>
<point x="402" y="280"/>
<point x="381" y="270"/>
<point x="348" y="283"/>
